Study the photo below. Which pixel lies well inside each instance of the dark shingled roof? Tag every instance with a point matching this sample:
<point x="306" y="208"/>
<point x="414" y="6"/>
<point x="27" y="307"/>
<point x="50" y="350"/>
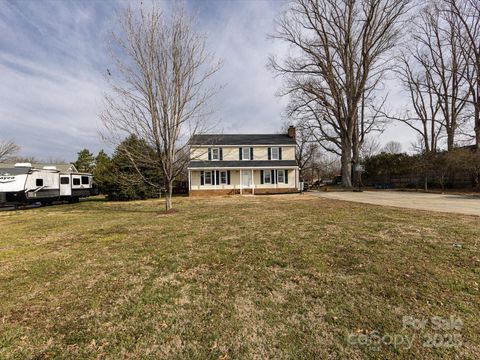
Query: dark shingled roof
<point x="242" y="163"/>
<point x="242" y="139"/>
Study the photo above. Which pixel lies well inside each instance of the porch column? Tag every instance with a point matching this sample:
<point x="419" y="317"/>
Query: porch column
<point x="214" y="180"/>
<point x="241" y="182"/>
<point x="297" y="179"/>
<point x="253" y="184"/>
<point x="189" y="180"/>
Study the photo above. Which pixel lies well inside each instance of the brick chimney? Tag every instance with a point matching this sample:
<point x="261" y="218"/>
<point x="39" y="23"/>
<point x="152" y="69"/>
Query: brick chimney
<point x="291" y="132"/>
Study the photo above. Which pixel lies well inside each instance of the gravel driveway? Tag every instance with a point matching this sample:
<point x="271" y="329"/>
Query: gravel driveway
<point x="461" y="204"/>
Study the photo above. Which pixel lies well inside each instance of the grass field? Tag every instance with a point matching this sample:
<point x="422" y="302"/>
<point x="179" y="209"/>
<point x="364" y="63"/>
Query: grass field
<point x="234" y="278"/>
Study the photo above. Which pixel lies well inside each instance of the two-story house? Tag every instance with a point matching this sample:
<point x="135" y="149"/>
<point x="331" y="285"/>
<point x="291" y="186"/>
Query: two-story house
<point x="243" y="164"/>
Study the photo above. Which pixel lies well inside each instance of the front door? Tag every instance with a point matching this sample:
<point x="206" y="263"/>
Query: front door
<point x="246" y="179"/>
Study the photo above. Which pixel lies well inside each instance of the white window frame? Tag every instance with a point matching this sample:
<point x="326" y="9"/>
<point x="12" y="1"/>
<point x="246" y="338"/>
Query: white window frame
<point x="222" y="173"/>
<point x="278" y="153"/>
<point x="283" y="176"/>
<point x="243" y="153"/>
<point x="205" y="178"/>
<point x="217" y="150"/>
<point x="265" y="173"/>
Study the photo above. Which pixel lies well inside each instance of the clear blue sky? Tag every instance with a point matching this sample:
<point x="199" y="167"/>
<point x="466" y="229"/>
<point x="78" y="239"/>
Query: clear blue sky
<point x="53" y="64"/>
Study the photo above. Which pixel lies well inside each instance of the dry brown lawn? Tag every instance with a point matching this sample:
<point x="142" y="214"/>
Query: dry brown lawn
<point x="238" y="277"/>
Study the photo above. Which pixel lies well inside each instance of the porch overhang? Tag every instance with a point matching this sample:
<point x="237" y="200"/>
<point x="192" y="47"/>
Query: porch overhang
<point x="243" y="164"/>
<point x="242" y="168"/>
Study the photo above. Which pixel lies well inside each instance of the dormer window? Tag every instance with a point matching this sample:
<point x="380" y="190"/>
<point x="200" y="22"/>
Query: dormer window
<point x="275" y="151"/>
<point x="215" y="154"/>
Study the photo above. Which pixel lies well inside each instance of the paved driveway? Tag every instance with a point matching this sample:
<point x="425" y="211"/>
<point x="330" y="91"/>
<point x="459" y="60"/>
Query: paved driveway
<point x="434" y="202"/>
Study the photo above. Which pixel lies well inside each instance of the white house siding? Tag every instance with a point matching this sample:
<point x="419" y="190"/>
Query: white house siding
<point x="291" y="180"/>
<point x="234" y="181"/>
<point x="232" y="152"/>
<point x="195" y="183"/>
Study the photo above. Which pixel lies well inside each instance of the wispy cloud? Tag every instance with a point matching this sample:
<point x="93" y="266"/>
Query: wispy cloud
<point x="53" y="62"/>
<point x="238" y="34"/>
<point x="52" y="65"/>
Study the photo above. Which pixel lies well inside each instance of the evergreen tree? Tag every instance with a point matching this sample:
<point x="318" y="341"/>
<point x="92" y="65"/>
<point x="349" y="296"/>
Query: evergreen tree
<point x="85" y="161"/>
<point x="120" y="179"/>
<point x="103" y="172"/>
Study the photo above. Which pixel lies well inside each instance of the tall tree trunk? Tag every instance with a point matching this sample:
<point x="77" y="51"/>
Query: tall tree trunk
<point x="450" y="139"/>
<point x="476" y="100"/>
<point x="355" y="158"/>
<point x="477" y="116"/>
<point x="346" y="164"/>
<point x="168" y="195"/>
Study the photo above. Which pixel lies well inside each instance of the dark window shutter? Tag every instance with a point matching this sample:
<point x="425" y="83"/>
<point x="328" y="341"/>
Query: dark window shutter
<point x="279" y="153"/>
<point x="261" y="176"/>
<point x="269" y="154"/>
<point x="217" y="178"/>
<point x="221" y="153"/>
<point x="272" y="177"/>
<point x="202" y="178"/>
<point x="209" y="154"/>
<point x="240" y="153"/>
<point x="251" y="153"/>
<point x="286" y="176"/>
<point x="228" y="177"/>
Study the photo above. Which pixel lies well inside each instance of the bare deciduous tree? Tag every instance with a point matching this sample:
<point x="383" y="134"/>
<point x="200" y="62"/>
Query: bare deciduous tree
<point x="339" y="56"/>
<point x="392" y="147"/>
<point x="467" y="13"/>
<point x="432" y="70"/>
<point x="371" y="146"/>
<point x="424" y="119"/>
<point x="8" y="149"/>
<point x="306" y="146"/>
<point x="161" y="84"/>
<point x="441" y="57"/>
<point x="325" y="165"/>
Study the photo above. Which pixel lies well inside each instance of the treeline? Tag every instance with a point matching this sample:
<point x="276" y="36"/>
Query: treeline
<point x="118" y="177"/>
<point x="457" y="168"/>
<point x="8" y="149"/>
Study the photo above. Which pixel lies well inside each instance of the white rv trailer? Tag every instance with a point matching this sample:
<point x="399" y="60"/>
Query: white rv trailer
<point x="26" y="184"/>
